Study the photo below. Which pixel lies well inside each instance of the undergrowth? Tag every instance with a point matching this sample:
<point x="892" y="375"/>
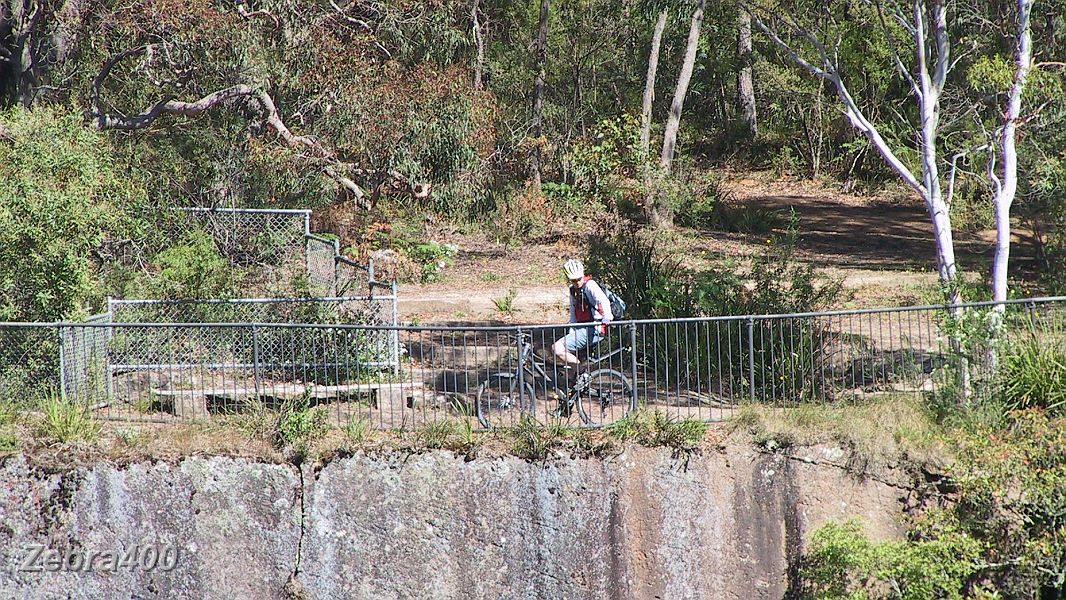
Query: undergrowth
<point x="874" y="434"/>
<point x="66" y="421"/>
<point x="658" y="429"/>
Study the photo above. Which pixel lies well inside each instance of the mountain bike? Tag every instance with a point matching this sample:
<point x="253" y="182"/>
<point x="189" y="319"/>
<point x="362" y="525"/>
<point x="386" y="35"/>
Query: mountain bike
<point x="600" y="396"/>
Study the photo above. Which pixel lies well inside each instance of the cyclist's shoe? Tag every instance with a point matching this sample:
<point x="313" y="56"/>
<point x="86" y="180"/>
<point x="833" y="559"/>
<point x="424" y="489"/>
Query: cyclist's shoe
<point x="564" y="410"/>
<point x="581" y="380"/>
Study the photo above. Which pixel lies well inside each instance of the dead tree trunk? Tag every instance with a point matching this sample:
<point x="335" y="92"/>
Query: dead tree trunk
<point x="649" y="82"/>
<point x="745" y="85"/>
<point x="541" y="53"/>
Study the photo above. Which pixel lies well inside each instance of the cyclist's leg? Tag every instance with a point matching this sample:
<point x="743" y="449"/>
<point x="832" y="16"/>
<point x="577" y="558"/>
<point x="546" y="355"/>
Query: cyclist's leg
<point x="565" y="347"/>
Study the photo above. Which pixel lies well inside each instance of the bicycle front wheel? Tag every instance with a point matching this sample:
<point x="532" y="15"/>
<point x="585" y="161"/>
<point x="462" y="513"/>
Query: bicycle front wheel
<point x="498" y="402"/>
<point x="606" y="397"/>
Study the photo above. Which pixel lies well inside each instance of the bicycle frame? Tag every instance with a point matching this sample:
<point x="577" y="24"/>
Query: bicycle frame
<point x="530" y="367"/>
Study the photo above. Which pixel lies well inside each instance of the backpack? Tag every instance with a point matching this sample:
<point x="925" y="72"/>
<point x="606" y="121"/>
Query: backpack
<point x="618" y="306"/>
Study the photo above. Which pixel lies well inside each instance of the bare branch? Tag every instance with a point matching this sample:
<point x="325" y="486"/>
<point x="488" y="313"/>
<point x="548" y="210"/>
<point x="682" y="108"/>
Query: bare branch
<point x="954" y="167"/>
<point x="852" y="111"/>
<point x="344" y="15"/>
<point x="895" y="51"/>
<point x="106" y="70"/>
<point x="340" y="12"/>
<point x="817" y="72"/>
<point x="242" y="10"/>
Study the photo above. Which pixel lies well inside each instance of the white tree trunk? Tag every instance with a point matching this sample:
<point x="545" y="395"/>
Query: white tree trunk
<point x="479" y="41"/>
<point x="1007" y="185"/>
<point x="673" y="121"/>
<point x="649" y="82"/>
<point x="745" y="85"/>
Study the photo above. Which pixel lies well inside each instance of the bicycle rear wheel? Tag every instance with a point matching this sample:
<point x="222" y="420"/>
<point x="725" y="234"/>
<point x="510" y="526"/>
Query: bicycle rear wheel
<point x="498" y="402"/>
<point x="606" y="397"/>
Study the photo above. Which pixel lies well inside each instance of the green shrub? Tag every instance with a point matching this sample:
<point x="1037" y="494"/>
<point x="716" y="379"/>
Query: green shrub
<point x="9" y="412"/>
<point x="63" y="195"/>
<point x="433" y="258"/>
<point x="787" y="352"/>
<point x="356" y="430"/>
<point x="298" y="424"/>
<point x="437" y="435"/>
<point x="649" y="279"/>
<point x="65" y="421"/>
<point x="533" y="440"/>
<point x="193" y="269"/>
<point x="696" y="201"/>
<point x="656" y="428"/>
<point x="996" y="533"/>
<point x="1033" y="371"/>
<point x="751" y="219"/>
<point x="505" y="303"/>
<point x="9" y="440"/>
<point x="843" y="563"/>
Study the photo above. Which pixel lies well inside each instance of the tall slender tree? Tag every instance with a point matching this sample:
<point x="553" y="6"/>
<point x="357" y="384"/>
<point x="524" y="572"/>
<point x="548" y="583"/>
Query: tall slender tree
<point x="1005" y="183"/>
<point x="649" y="81"/>
<point x="673" y="120"/>
<point x="541" y="54"/>
<point x="745" y="66"/>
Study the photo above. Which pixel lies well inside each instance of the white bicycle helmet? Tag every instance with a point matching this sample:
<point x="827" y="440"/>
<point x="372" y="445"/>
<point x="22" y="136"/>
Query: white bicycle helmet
<point x="574" y="269"/>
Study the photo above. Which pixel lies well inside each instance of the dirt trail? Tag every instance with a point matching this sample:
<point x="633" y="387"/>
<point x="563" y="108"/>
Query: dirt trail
<point x="880" y="245"/>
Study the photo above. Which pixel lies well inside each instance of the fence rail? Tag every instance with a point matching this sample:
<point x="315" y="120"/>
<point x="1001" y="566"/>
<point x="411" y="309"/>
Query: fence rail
<point x="404" y="376"/>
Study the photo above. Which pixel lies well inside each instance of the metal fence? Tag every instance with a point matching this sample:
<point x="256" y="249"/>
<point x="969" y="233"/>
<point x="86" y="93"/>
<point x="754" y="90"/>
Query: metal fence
<point x="701" y="368"/>
<point x="280" y="242"/>
<point x="147" y="348"/>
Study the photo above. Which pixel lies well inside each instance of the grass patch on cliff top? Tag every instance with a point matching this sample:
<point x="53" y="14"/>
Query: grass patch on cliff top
<point x="877" y="433"/>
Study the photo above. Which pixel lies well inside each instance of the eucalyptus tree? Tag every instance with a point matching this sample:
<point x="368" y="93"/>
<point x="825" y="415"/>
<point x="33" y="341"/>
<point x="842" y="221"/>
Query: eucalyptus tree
<point x="918" y="37"/>
<point x="745" y="68"/>
<point x="1005" y="181"/>
<point x="673" y="120"/>
<point x="924" y="30"/>
<point x="649" y="79"/>
<point x="541" y="58"/>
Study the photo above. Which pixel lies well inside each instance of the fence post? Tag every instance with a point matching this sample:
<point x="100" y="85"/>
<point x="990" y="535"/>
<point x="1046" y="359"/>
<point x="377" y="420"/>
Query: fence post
<point x="108" y="334"/>
<point x="633" y="358"/>
<point x="62" y="361"/>
<point x="255" y="359"/>
<point x="521" y="374"/>
<point x="751" y="358"/>
<point x="395" y="332"/>
<point x="335" y="291"/>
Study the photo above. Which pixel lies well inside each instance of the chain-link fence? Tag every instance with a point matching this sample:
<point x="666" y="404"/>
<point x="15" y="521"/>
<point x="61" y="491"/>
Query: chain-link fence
<point x="280" y="245"/>
<point x="699" y="368"/>
<point x="249" y="236"/>
<point x="150" y="346"/>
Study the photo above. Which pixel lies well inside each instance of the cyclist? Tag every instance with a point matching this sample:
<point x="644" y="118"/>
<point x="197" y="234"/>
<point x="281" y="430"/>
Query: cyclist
<point x="588" y="304"/>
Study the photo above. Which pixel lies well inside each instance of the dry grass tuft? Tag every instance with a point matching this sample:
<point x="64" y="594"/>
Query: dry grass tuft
<point x="877" y="434"/>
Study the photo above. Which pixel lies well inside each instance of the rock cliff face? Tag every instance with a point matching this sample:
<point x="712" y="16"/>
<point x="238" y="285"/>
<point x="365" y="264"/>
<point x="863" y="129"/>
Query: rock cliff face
<point x="643" y="524"/>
